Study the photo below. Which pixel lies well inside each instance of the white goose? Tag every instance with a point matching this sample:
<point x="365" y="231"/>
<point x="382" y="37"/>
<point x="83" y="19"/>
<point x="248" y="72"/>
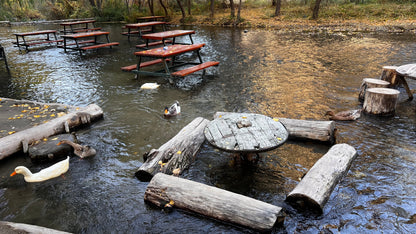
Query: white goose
<point x="53" y="171"/>
<point x="173" y="110"/>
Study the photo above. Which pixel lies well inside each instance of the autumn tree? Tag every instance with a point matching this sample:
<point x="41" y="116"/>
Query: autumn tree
<point x="315" y="11"/>
<point x="278" y="4"/>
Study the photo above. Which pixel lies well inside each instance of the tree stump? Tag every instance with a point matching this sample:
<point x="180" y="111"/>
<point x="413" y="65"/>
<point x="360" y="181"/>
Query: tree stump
<point x="380" y="101"/>
<point x="389" y="74"/>
<point x="369" y="83"/>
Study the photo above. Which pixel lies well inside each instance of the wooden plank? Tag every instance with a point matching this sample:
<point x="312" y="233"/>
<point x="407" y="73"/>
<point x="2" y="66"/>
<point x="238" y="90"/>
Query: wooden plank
<point x="196" y="68"/>
<point x="100" y="46"/>
<point x="170" y="51"/>
<point x="86" y="34"/>
<point x="42" y="42"/>
<point x="167" y="34"/>
<point x="155" y="43"/>
<point x="35" y="33"/>
<point x="143" y="64"/>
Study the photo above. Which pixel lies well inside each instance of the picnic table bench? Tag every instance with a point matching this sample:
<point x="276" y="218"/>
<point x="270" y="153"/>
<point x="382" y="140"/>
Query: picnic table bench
<point x="22" y="41"/>
<point x="87" y="41"/>
<point x="160" y="38"/>
<point x="150" y="18"/>
<point x="83" y="26"/>
<point x="166" y="54"/>
<point x="139" y="29"/>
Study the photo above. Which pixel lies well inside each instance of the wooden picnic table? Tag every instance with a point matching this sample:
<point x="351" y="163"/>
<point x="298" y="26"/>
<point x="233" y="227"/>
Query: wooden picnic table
<point x="139" y="29"/>
<point x="83" y="41"/>
<point x="80" y="28"/>
<point x="407" y="71"/>
<point x="21" y="38"/>
<point x="245" y="133"/>
<point x="150" y="18"/>
<point x="160" y="38"/>
<point x="168" y="54"/>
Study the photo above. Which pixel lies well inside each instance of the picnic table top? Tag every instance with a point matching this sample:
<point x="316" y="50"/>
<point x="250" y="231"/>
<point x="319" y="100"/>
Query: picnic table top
<point x="86" y="34"/>
<point x="408" y="70"/>
<point x="77" y="22"/>
<point x="245" y="133"/>
<point x="35" y="33"/>
<point x="169" y="51"/>
<point x="167" y="34"/>
<point x="145" y="24"/>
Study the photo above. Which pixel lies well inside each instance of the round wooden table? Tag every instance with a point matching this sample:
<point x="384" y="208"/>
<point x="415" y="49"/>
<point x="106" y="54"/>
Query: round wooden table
<point x="245" y="133"/>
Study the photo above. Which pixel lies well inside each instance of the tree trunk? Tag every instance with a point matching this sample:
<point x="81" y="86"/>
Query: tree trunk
<point x="164" y="190"/>
<point x="164" y="8"/>
<point x="380" y="101"/>
<point x="315" y="11"/>
<point x="239" y="11"/>
<point x="182" y="10"/>
<point x="150" y="3"/>
<point x="189" y="6"/>
<point x="14" y="143"/>
<point x="176" y="154"/>
<point x="278" y="5"/>
<point x="389" y="74"/>
<point x="212" y="9"/>
<point x="232" y="9"/>
<point x="315" y="130"/>
<point x="315" y="188"/>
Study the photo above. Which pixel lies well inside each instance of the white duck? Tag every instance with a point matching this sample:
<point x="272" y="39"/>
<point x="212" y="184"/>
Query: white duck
<point x="53" y="171"/>
<point x="83" y="151"/>
<point x="173" y="110"/>
<point x="150" y="86"/>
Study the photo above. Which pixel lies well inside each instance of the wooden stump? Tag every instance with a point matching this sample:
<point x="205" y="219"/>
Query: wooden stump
<point x="177" y="154"/>
<point x="389" y="74"/>
<point x="315" y="188"/>
<point x="369" y="83"/>
<point x="169" y="191"/>
<point x="380" y="101"/>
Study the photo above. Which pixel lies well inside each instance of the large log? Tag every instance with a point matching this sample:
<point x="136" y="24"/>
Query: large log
<point x="316" y="130"/>
<point x="369" y="83"/>
<point x="380" y="101"/>
<point x="10" y="228"/>
<point x="212" y="202"/>
<point x="315" y="188"/>
<point x="14" y="143"/>
<point x="177" y="154"/>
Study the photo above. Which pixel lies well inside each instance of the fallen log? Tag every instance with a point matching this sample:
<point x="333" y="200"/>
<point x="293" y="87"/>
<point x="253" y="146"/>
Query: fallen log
<point x="164" y="190"/>
<point x="380" y="101"/>
<point x="14" y="143"/>
<point x="177" y="154"/>
<point x="315" y="188"/>
<point x="316" y="130"/>
<point x="9" y="227"/>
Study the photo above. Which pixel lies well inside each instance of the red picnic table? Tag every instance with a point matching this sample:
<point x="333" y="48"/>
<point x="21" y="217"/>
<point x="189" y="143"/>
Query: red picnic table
<point x="139" y="29"/>
<point x="161" y="37"/>
<point x="167" y="54"/>
<point x="150" y="18"/>
<point x="84" y="28"/>
<point x="37" y="40"/>
<point x="83" y="41"/>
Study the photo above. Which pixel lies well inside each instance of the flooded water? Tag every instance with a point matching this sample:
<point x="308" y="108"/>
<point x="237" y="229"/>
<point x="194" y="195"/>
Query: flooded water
<point x="297" y="76"/>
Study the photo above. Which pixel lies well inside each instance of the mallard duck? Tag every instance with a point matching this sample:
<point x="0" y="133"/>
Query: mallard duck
<point x="83" y="151"/>
<point x="150" y="86"/>
<point x="344" y="115"/>
<point x="173" y="110"/>
<point x="53" y="171"/>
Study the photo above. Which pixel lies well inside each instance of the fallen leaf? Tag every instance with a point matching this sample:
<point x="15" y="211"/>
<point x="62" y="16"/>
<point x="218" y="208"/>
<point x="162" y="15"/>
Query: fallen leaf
<point x="10" y="133"/>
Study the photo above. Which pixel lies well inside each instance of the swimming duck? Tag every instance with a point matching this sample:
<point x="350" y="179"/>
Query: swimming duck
<point x="173" y="110"/>
<point x="83" y="151"/>
<point x="344" y="115"/>
<point x="53" y="171"/>
<point x="149" y="86"/>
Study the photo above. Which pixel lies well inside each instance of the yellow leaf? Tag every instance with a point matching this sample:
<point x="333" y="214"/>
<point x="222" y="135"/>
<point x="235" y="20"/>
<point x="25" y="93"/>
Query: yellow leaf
<point x="61" y="114"/>
<point x="54" y="139"/>
<point x="279" y="138"/>
<point x="160" y="162"/>
<point x="45" y="139"/>
<point x="24" y="111"/>
<point x="244" y="117"/>
<point x="171" y="202"/>
<point x="10" y="133"/>
<point x="179" y="152"/>
<point x="276" y="119"/>
<point x="11" y="117"/>
<point x="52" y="115"/>
<point x="36" y="116"/>
<point x="45" y="106"/>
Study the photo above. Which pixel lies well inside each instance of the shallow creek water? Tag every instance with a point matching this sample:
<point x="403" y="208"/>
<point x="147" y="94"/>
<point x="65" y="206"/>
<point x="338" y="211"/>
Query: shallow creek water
<point x="297" y="76"/>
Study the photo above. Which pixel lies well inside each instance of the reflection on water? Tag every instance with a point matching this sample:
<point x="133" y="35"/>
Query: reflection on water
<point x="280" y="75"/>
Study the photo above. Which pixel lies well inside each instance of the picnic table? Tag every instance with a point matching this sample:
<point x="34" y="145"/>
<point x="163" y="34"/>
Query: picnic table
<point x="139" y="29"/>
<point x="245" y="133"/>
<point x="160" y="38"/>
<point x="21" y="38"/>
<point x="168" y="54"/>
<point x="83" y="26"/>
<point x="86" y="41"/>
<point x="150" y="18"/>
<point x="407" y="71"/>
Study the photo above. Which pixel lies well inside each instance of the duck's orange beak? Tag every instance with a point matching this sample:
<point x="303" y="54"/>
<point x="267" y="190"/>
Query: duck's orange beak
<point x="166" y="110"/>
<point x="13" y="174"/>
<point x="59" y="143"/>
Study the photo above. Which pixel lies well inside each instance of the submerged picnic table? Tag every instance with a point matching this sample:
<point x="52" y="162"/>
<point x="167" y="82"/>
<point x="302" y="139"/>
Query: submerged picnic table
<point x="83" y="41"/>
<point x="36" y="41"/>
<point x="139" y="29"/>
<point x="161" y="37"/>
<point x="150" y="18"/>
<point x="245" y="133"/>
<point x="80" y="28"/>
<point x="168" y="54"/>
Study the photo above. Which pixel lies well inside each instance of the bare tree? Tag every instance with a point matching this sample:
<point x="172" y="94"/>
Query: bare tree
<point x="182" y="10"/>
<point x="150" y="3"/>
<point x="239" y="11"/>
<point x="188" y="2"/>
<point x="278" y="4"/>
<point x="232" y="8"/>
<point x="164" y="7"/>
<point x="315" y="11"/>
<point x="212" y="9"/>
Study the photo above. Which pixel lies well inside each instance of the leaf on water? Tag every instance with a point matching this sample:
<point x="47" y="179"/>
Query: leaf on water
<point x="54" y="139"/>
<point x="179" y="152"/>
<point x="45" y="139"/>
<point x="61" y="114"/>
<point x="11" y="132"/>
<point x="276" y="119"/>
<point x="36" y="116"/>
<point x="52" y="115"/>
